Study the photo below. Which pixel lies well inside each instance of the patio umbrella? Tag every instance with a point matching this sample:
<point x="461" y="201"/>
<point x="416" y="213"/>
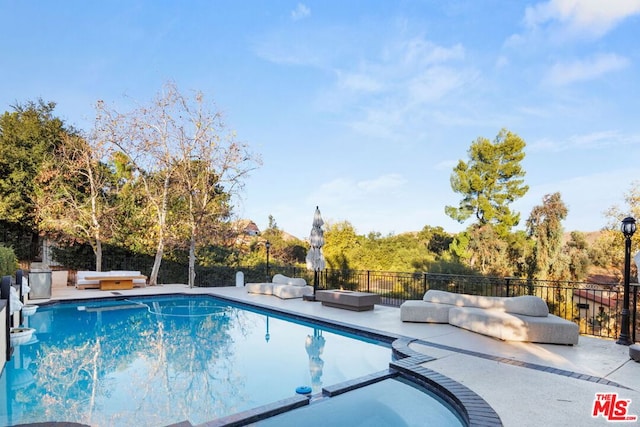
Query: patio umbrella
<point x="315" y="259"/>
<point x="314" y="346"/>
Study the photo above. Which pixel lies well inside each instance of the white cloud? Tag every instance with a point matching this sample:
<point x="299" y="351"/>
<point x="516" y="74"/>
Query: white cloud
<point x="590" y="141"/>
<point x="418" y="51"/>
<point x="434" y="84"/>
<point x="566" y="73"/>
<point x="390" y="94"/>
<point x="349" y="194"/>
<point x="358" y="82"/>
<point x="592" y="17"/>
<point x="382" y="183"/>
<point x="300" y="12"/>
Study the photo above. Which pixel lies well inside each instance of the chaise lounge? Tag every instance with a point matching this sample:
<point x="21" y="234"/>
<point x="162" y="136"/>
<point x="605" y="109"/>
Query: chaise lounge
<point x="108" y="280"/>
<point x="522" y="318"/>
<point x="282" y="286"/>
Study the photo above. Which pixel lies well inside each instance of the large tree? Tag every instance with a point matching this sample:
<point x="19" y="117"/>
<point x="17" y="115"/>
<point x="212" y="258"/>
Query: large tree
<point x="610" y="243"/>
<point x="490" y="180"/>
<point x="213" y="165"/>
<point x="184" y="158"/>
<point x="75" y="193"/>
<point x="545" y="227"/>
<point x="27" y="134"/>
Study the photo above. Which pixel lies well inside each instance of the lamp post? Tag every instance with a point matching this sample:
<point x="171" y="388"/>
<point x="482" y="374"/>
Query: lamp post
<point x="268" y="246"/>
<point x="628" y="227"/>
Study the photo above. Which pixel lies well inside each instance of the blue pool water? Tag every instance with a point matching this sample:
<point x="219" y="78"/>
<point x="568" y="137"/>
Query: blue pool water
<point x="157" y="361"/>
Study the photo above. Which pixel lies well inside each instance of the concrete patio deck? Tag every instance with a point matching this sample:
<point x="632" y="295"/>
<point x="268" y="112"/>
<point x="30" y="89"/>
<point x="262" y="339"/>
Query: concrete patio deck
<point x="526" y="384"/>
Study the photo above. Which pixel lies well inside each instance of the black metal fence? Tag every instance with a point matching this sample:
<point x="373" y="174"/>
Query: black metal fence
<point x="594" y="307"/>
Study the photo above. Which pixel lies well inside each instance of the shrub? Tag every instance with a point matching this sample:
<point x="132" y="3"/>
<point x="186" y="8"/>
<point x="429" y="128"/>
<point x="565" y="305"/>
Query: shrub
<point x="8" y="261"/>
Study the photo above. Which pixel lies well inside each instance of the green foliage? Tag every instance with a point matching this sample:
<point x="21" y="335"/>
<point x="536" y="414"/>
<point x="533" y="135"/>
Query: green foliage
<point x="8" y="261"/>
<point x="27" y="135"/>
<point x="490" y="181"/>
<point x="490" y="252"/>
<point x="341" y="245"/>
<point x="577" y="252"/>
<point x="435" y="239"/>
<point x="605" y="251"/>
<point x="615" y="240"/>
<point x="545" y="227"/>
<point x="23" y="239"/>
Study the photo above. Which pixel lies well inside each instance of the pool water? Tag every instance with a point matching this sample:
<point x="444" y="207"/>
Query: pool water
<point x="391" y="402"/>
<point x="157" y="361"/>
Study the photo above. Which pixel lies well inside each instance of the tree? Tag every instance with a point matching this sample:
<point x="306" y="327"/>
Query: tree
<point x="490" y="181"/>
<point x="183" y="161"/>
<point x="73" y="195"/>
<point x="435" y="239"/>
<point x="545" y="227"/>
<point x="27" y="135"/>
<point x="340" y="241"/>
<point x="611" y="243"/>
<point x="576" y="251"/>
<point x="489" y="252"/>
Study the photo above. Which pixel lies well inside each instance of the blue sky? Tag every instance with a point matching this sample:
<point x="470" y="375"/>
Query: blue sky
<point x="360" y="107"/>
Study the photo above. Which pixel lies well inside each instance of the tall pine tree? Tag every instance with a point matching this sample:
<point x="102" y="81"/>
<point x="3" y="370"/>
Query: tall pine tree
<point x="490" y="181"/>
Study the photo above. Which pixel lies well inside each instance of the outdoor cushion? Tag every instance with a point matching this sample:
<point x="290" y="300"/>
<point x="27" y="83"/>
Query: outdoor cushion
<point x="528" y="305"/>
<point x="284" y="280"/>
<point x="289" y="291"/>
<point x="82" y="281"/>
<point x="462" y="300"/>
<point x="260" y="288"/>
<point x="424" y="311"/>
<point x="514" y="327"/>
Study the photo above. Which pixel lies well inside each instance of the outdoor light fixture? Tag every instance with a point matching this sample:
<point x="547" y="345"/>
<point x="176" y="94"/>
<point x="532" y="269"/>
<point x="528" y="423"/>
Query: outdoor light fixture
<point x="628" y="227"/>
<point x="268" y="246"/>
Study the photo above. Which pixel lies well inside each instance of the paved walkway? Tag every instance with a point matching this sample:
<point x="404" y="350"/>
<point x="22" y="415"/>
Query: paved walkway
<point x="526" y="384"/>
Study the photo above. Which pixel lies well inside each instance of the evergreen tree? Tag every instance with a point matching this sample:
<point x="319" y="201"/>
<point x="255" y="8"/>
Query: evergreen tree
<point x="545" y="227"/>
<point x="490" y="181"/>
<point x="27" y="135"/>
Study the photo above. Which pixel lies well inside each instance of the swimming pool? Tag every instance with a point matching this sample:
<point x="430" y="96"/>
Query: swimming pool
<point x="162" y="360"/>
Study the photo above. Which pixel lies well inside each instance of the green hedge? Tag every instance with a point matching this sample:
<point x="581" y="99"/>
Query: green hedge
<point x="8" y="261"/>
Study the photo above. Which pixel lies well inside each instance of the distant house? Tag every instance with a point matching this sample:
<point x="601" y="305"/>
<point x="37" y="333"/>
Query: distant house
<point x="598" y="308"/>
<point x="247" y="227"/>
<point x="245" y="231"/>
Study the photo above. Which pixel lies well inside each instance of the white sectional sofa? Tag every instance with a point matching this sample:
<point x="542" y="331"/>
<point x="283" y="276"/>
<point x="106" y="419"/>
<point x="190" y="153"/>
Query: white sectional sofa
<point x="522" y="318"/>
<point x="85" y="279"/>
<point x="282" y="286"/>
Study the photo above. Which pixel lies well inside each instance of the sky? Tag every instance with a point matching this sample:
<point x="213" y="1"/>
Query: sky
<point x="360" y="107"/>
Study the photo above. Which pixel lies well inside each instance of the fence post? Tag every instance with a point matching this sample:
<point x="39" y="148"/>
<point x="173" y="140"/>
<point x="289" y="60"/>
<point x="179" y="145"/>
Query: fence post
<point x="368" y="280"/>
<point x="508" y="279"/>
<point x="424" y="283"/>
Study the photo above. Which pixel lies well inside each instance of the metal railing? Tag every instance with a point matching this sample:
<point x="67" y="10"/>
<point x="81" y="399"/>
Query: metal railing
<point x="594" y="307"/>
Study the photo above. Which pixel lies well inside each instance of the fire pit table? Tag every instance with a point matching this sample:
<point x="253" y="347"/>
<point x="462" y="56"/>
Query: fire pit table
<point x="348" y="300"/>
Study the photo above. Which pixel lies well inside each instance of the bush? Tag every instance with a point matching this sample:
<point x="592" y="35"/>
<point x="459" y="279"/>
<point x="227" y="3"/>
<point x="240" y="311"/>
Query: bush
<point x="8" y="261"/>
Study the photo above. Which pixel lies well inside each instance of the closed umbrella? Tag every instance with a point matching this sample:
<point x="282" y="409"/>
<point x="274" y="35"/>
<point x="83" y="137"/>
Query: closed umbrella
<point x="314" y="346"/>
<point x="315" y="259"/>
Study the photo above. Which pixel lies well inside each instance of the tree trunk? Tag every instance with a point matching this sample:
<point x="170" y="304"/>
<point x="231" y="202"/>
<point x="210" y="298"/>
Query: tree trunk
<point x="192" y="260"/>
<point x="98" y="255"/>
<point x="153" y="279"/>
